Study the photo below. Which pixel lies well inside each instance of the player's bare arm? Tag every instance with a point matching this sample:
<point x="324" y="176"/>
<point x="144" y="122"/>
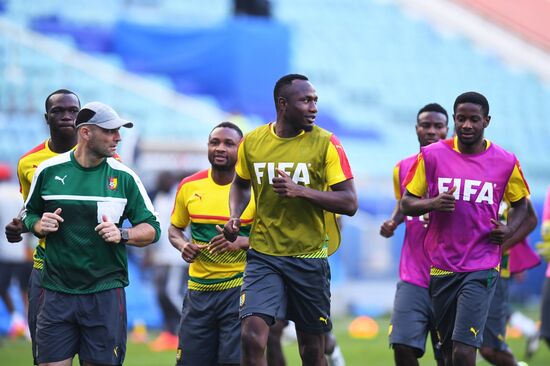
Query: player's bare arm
<point x="189" y="251"/>
<point x="519" y="212"/>
<point x="140" y="235"/>
<point x="525" y="228"/>
<point x="388" y="227"/>
<point x="341" y="199"/>
<point x="412" y="205"/>
<point x="239" y="197"/>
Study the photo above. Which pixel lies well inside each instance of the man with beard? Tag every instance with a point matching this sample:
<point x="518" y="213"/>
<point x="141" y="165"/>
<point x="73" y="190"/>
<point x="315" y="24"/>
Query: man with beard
<point x="77" y="202"/>
<point x="464" y="180"/>
<point x="210" y="330"/>
<point x="297" y="171"/>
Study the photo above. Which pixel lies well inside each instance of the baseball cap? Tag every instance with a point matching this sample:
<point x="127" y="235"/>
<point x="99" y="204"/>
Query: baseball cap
<point x="100" y="114"/>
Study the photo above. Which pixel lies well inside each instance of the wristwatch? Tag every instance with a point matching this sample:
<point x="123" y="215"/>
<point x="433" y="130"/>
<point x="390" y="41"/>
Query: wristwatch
<point x="124" y="235"/>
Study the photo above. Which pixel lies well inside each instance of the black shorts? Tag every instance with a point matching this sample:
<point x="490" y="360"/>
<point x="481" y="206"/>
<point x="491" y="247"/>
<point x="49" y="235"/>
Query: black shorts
<point x="21" y="271"/>
<point x="460" y="303"/>
<point x="412" y="318"/>
<point x="495" y="328"/>
<point x="302" y="285"/>
<point x="545" y="310"/>
<point x="34" y="292"/>
<point x="94" y="326"/>
<point x="210" y="328"/>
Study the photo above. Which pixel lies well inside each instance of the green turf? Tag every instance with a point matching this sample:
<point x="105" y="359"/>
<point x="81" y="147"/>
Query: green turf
<point x="375" y="352"/>
<point x="372" y="352"/>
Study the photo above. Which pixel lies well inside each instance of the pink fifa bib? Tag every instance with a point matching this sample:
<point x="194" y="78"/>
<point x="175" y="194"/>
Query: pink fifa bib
<point x="459" y="241"/>
<point x="414" y="265"/>
<point x="522" y="257"/>
<point x="546" y="219"/>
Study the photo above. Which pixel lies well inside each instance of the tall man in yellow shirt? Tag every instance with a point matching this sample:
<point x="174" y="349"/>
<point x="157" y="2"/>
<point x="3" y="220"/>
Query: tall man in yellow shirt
<point x="290" y="165"/>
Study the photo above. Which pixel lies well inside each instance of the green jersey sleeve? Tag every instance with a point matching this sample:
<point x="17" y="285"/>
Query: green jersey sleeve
<point x="140" y="208"/>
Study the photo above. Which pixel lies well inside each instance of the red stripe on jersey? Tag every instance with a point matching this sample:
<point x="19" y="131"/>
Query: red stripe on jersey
<point x="450" y="142"/>
<point x="522" y="176"/>
<point x="411" y="172"/>
<point x="20" y="186"/>
<point x="221" y="218"/>
<point x="344" y="163"/>
<point x="197" y="176"/>
<point x="42" y="146"/>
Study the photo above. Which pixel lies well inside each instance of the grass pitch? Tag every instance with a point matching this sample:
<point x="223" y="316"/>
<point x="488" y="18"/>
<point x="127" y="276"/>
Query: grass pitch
<point x="358" y="352"/>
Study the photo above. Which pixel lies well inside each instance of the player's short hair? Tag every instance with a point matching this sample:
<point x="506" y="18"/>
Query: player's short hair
<point x="227" y="124"/>
<point x="283" y="82"/>
<point x="60" y="91"/>
<point x="475" y="98"/>
<point x="433" y="107"/>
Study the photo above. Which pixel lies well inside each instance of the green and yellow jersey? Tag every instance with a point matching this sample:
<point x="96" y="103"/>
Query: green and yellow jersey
<point x="25" y="171"/>
<point x="203" y="204"/>
<point x="315" y="159"/>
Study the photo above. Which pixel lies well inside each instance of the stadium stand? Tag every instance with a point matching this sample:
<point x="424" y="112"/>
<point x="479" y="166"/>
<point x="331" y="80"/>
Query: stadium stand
<point x="378" y="75"/>
<point x="35" y="65"/>
<point x="530" y="20"/>
<point x="371" y="80"/>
